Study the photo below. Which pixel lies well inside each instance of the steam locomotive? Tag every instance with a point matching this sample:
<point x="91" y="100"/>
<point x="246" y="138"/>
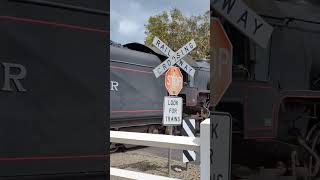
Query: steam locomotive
<point x="275" y="94"/>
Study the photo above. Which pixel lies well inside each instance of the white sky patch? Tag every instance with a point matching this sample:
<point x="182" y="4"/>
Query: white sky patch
<point x="128" y="17"/>
<point x="127" y="27"/>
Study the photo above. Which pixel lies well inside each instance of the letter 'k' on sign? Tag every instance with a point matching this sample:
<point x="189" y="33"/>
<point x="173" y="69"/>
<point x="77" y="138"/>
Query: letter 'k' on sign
<point x="173" y="57"/>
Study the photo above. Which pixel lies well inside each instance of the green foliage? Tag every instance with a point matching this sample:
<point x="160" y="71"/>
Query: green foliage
<point x="175" y="29"/>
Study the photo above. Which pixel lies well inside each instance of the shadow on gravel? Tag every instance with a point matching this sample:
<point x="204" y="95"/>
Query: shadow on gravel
<point x="141" y="166"/>
<point x="123" y="149"/>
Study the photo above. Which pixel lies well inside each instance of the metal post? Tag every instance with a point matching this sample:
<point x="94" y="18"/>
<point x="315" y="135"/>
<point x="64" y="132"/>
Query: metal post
<point x="169" y="152"/>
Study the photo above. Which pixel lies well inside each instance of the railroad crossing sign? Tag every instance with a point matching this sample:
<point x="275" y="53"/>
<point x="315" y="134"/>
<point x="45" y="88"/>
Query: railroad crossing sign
<point x="172" y="111"/>
<point x="220" y="146"/>
<point x="174" y="81"/>
<point x="245" y="19"/>
<point x="221" y="53"/>
<point x="173" y="57"/>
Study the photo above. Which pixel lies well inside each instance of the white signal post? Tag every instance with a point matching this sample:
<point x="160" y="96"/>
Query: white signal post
<point x="172" y="115"/>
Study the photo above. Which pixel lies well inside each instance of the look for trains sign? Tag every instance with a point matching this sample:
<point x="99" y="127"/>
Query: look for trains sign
<point x="172" y="112"/>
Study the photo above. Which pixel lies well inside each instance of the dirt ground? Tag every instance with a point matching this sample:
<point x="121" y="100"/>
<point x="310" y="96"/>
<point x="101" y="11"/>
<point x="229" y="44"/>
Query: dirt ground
<point x="145" y="162"/>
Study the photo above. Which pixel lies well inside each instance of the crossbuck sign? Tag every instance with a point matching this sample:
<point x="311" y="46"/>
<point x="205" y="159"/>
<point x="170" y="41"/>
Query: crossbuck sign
<point x="173" y="57"/>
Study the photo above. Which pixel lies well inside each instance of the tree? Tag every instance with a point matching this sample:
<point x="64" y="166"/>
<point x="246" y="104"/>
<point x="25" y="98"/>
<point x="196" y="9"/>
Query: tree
<point x="175" y="29"/>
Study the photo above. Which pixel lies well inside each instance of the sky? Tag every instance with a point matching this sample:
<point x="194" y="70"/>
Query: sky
<point x="128" y="17"/>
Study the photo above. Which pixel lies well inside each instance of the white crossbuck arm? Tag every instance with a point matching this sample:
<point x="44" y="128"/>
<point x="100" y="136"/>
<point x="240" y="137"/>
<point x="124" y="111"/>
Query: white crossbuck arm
<point x="173" y="57"/>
